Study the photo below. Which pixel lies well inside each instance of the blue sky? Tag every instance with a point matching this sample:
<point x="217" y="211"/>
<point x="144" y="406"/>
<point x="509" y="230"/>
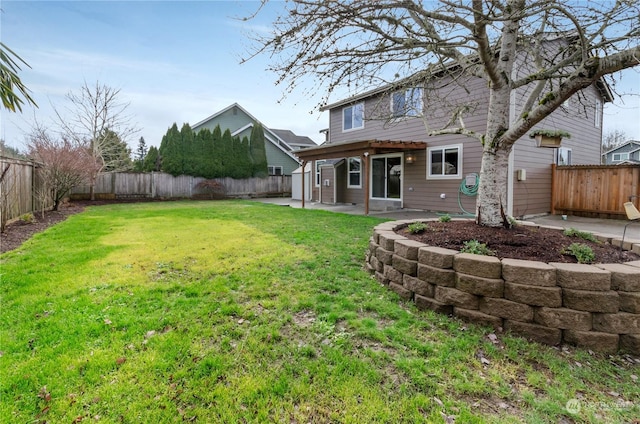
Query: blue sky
<point x="174" y="62"/>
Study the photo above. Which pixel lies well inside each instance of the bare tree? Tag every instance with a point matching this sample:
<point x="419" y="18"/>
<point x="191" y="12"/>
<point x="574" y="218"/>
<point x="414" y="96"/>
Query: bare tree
<point x="363" y="44"/>
<point x="97" y="119"/>
<point x="64" y="165"/>
<point x="613" y="139"/>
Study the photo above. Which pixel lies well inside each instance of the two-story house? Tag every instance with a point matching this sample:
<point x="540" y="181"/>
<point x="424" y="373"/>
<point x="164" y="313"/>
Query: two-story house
<point x="280" y="144"/>
<point x="628" y="152"/>
<point x="379" y="155"/>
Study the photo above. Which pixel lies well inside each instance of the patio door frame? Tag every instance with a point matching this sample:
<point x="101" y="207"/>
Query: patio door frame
<point x="386" y="188"/>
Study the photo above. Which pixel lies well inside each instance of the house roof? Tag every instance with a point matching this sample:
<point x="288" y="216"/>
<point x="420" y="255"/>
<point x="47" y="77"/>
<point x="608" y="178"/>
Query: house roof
<point x="601" y="84"/>
<point x="300" y="141"/>
<point x="357" y="148"/>
<point x="630" y="142"/>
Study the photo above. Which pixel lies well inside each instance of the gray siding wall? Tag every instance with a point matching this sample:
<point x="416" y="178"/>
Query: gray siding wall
<point x="276" y="157"/>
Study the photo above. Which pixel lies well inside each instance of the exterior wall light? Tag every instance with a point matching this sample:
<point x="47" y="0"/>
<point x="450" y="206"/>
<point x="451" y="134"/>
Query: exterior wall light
<point x="410" y="158"/>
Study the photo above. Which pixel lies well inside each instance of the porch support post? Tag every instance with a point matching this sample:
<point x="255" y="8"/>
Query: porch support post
<point x="365" y="162"/>
<point x="304" y="166"/>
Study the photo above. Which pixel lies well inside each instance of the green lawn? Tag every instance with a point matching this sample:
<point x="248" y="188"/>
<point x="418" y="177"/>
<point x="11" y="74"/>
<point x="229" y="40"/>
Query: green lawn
<point x="237" y="311"/>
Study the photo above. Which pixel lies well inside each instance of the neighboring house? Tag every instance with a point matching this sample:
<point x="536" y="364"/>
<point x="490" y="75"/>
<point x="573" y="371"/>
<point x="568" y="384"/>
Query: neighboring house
<point x="280" y="157"/>
<point x="627" y="153"/>
<point x="296" y="142"/>
<point x="378" y="153"/>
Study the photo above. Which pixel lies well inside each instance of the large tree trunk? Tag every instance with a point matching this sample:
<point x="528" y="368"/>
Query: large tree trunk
<point x="491" y="202"/>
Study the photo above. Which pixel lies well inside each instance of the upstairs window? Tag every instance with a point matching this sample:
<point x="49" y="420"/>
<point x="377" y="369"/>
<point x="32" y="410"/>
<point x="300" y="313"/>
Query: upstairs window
<point x="619" y="157"/>
<point x="444" y="162"/>
<point x="275" y="170"/>
<point x="355" y="173"/>
<point x="598" y="114"/>
<point x="353" y="117"/>
<point x="406" y="103"/>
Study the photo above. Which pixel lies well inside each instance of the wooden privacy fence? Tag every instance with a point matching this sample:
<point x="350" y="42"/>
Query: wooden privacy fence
<point x="594" y="190"/>
<point x="21" y="189"/>
<point x="158" y="185"/>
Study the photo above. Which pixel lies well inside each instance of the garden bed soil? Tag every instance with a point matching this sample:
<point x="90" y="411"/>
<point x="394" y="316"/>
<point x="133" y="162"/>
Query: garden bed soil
<point x="520" y="242"/>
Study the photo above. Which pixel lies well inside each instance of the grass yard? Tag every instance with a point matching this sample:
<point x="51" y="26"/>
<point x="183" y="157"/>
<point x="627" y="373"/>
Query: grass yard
<point x="237" y="311"/>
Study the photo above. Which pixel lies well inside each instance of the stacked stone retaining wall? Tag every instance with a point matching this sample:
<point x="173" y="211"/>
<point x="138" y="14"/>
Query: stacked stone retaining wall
<point x="592" y="306"/>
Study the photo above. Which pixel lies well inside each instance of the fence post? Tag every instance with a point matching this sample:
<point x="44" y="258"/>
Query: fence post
<point x="553" y="189"/>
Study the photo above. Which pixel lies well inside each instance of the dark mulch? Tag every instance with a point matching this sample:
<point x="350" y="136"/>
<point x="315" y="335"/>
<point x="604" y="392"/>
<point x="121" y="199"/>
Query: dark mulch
<point x="521" y="242"/>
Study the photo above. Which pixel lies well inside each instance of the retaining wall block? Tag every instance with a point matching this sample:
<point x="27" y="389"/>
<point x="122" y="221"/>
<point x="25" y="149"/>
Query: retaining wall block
<point x="602" y="342"/>
<point x="369" y="268"/>
<point x="504" y="308"/>
<point x="630" y="343"/>
<point x="633" y="263"/>
<point x="408" y="249"/>
<point x="620" y="323"/>
<point x="437" y="276"/>
<point x="385" y="256"/>
<point x="387" y="239"/>
<point x="604" y="238"/>
<point x="373" y="246"/>
<point x="401" y="290"/>
<point x="477" y="317"/>
<point x="535" y="332"/>
<point x="376" y="264"/>
<point x="591" y="301"/>
<point x="386" y="226"/>
<point x="381" y="278"/>
<point x="456" y="297"/>
<point x="405" y="266"/>
<point x="533" y="295"/>
<point x="623" y="277"/>
<point x="582" y="277"/>
<point x="392" y="274"/>
<point x="437" y="257"/>
<point x="478" y="265"/>
<point x="629" y="302"/>
<point x="532" y="273"/>
<point x="418" y="286"/>
<point x="491" y="287"/>
<point x="564" y="318"/>
<point x="636" y="248"/>
<point x="423" y="302"/>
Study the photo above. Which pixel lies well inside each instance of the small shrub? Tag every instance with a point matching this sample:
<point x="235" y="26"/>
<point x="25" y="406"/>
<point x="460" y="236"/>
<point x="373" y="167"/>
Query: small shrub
<point x="512" y="222"/>
<point x="417" y="227"/>
<point x="583" y="253"/>
<point x="213" y="188"/>
<point x="27" y="218"/>
<point x="445" y="218"/>
<point x="477" y="248"/>
<point x="572" y="232"/>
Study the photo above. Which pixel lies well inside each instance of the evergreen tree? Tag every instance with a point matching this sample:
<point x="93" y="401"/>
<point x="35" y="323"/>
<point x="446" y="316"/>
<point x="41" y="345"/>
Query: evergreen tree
<point x="258" y="152"/>
<point x="141" y="152"/>
<point x="187" y="146"/>
<point x="152" y="160"/>
<point x="226" y="154"/>
<point x="215" y="153"/>
<point x="171" y="152"/>
<point x="115" y="154"/>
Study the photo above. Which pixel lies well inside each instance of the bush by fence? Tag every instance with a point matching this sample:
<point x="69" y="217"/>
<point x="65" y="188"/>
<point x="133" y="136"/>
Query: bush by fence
<point x="159" y="185"/>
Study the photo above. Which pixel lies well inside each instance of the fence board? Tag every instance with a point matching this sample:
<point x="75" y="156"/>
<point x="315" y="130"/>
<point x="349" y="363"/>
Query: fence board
<point x="19" y="189"/>
<point x="594" y="190"/>
<point x="161" y="185"/>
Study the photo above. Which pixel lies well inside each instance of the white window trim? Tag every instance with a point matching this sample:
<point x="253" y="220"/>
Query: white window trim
<point x="417" y="111"/>
<point x="342" y="117"/>
<point x="597" y="122"/>
<point x="349" y="172"/>
<point x="558" y="150"/>
<point x="272" y="170"/>
<point x="621" y="156"/>
<point x="458" y="174"/>
<point x="316" y="174"/>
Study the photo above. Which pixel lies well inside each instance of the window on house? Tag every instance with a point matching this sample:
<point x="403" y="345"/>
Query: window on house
<point x="353" y="117"/>
<point x="598" y="113"/>
<point x="318" y="163"/>
<point x="406" y="103"/>
<point x="563" y="156"/>
<point x="444" y="162"/>
<point x="619" y="157"/>
<point x="275" y="170"/>
<point x="355" y="173"/>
